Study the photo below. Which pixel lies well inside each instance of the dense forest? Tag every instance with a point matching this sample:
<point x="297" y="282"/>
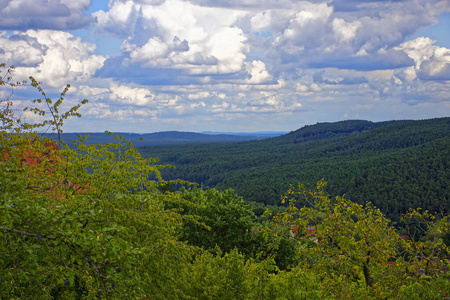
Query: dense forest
<point x="100" y="221"/>
<point x="396" y="165"/>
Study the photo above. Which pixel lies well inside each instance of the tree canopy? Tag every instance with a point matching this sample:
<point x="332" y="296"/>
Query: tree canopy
<point x="86" y="222"/>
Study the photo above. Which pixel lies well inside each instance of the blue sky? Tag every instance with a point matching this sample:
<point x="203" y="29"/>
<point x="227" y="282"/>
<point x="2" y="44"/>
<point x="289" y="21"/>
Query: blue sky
<point x="234" y="65"/>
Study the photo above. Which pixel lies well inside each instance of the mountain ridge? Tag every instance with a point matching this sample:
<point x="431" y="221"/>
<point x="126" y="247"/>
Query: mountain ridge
<point x="157" y="138"/>
<point x="395" y="165"/>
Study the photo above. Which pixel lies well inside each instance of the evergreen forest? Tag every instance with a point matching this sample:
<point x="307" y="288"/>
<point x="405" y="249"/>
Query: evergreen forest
<point x="395" y="165"/>
<point x="347" y="210"/>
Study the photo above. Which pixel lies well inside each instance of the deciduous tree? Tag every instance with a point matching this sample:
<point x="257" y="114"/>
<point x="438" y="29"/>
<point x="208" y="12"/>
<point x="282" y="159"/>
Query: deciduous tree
<point x="82" y="223"/>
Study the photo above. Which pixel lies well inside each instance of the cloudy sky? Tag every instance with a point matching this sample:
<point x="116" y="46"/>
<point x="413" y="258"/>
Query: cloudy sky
<point x="232" y="65"/>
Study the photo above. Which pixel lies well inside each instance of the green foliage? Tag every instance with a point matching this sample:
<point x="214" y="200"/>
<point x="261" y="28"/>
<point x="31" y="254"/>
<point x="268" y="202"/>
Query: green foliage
<point x="425" y="287"/>
<point x="229" y="276"/>
<point x="394" y="165"/>
<point x="218" y="276"/>
<point x="83" y="223"/>
<point x="356" y="254"/>
<point x="295" y="284"/>
<point x="264" y="212"/>
<point x="225" y="221"/>
<point x="426" y="243"/>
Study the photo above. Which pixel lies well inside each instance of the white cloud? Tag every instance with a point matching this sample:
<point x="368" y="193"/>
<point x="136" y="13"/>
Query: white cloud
<point x="131" y="96"/>
<point x="150" y="52"/>
<point x="219" y="60"/>
<point x="362" y="52"/>
<point x="227" y="45"/>
<point x="310" y="16"/>
<point x="419" y="49"/>
<point x="119" y="20"/>
<point x="44" y="14"/>
<point x="238" y="49"/>
<point x="20" y="50"/>
<point x="245" y="4"/>
<point x="127" y="115"/>
<point x="301" y="88"/>
<point x="258" y="72"/>
<point x="177" y="34"/>
<point x="178" y="18"/>
<point x="261" y="21"/>
<point x="345" y="31"/>
<point x="86" y="91"/>
<point x="79" y="5"/>
<point x="430" y="61"/>
<point x="54" y="57"/>
<point x="199" y="95"/>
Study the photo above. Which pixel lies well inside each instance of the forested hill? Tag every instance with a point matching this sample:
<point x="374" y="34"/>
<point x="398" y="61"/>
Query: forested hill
<point x="396" y="165"/>
<point x="162" y="138"/>
<point x="327" y="130"/>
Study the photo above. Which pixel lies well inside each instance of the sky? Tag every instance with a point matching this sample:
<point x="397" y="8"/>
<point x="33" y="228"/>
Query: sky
<point x="230" y="65"/>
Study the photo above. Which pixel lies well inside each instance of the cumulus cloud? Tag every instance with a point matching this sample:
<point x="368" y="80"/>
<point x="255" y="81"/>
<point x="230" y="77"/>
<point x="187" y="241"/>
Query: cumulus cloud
<point x="345" y="31"/>
<point x="54" y="57"/>
<point x="177" y="34"/>
<point x="258" y="72"/>
<point x="431" y="62"/>
<point x="227" y="45"/>
<point x="44" y="14"/>
<point x="239" y="57"/>
<point x="306" y="25"/>
<point x="339" y="79"/>
<point x="216" y="37"/>
<point x="261" y="21"/>
<point x="118" y="114"/>
<point x="131" y="96"/>
<point x="119" y="20"/>
<point x="246" y="4"/>
<point x="219" y="60"/>
<point x="19" y="49"/>
<point x="319" y="33"/>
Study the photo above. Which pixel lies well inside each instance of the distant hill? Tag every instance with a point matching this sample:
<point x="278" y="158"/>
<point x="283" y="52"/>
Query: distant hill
<point x="259" y="134"/>
<point x="165" y="138"/>
<point x="396" y="165"/>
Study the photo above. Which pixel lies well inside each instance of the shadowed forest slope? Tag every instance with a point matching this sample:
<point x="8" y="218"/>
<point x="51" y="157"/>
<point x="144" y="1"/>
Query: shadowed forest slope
<point x="396" y="165"/>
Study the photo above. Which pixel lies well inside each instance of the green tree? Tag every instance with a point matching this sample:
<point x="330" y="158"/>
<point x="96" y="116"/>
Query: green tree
<point x="427" y="241"/>
<point x="356" y="253"/>
<point x="225" y="221"/>
<point x="82" y="223"/>
<point x="345" y="243"/>
<point x="220" y="276"/>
